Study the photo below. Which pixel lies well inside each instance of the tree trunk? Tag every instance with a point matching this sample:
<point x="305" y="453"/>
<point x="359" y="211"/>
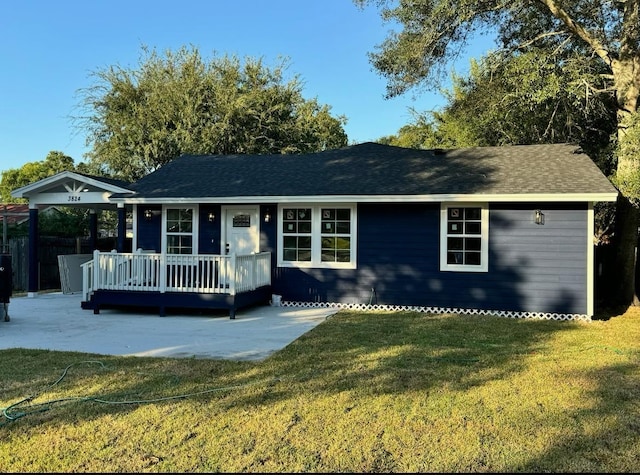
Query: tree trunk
<point x="626" y="76"/>
<point x="625" y="239"/>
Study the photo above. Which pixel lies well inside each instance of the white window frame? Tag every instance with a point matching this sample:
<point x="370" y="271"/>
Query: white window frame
<point x="484" y="238"/>
<point x="194" y="227"/>
<point x="316" y="237"/>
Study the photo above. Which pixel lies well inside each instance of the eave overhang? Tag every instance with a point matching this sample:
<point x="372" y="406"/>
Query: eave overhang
<point x="437" y="198"/>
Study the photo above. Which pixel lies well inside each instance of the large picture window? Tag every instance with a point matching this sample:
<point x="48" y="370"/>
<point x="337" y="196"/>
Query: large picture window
<point x="317" y="236"/>
<point x="464" y="237"/>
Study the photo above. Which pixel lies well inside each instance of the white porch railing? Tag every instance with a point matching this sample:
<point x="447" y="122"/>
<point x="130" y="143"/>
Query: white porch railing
<point x="207" y="274"/>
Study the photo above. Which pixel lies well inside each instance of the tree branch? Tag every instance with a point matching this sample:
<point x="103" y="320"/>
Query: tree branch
<point x="578" y="30"/>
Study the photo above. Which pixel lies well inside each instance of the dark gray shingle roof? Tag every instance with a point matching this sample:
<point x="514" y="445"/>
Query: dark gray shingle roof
<point x="375" y="169"/>
<point x="109" y="181"/>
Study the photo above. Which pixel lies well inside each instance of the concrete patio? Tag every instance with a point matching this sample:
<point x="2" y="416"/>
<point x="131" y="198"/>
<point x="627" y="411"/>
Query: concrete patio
<point x="55" y="321"/>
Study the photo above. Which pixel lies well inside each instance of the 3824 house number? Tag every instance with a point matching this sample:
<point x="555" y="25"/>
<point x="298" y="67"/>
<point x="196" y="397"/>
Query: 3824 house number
<point x="73" y="198"/>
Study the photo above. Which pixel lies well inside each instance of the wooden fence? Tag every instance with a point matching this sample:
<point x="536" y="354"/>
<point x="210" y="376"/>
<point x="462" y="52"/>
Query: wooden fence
<point x="48" y="251"/>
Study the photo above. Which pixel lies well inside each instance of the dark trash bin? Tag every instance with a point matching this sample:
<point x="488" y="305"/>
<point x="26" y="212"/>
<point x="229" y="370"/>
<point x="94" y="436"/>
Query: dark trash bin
<point x="6" y="285"/>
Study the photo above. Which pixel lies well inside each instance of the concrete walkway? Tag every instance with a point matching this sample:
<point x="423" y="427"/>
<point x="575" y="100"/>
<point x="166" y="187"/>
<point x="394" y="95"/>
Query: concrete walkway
<point x="55" y="321"/>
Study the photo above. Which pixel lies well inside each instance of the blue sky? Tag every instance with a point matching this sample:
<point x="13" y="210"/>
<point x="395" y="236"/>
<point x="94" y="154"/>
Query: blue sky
<point x="49" y="49"/>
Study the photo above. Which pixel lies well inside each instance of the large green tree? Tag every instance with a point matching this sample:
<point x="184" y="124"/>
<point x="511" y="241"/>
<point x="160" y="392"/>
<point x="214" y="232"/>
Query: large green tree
<point x="433" y="33"/>
<point x="520" y="99"/>
<point x="178" y="103"/>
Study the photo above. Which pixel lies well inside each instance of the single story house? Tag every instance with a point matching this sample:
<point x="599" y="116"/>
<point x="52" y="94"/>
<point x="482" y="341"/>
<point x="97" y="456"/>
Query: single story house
<point x="506" y="230"/>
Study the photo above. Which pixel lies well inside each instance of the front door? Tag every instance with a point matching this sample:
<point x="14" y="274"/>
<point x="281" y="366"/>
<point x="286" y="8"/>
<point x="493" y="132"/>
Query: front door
<point x="241" y="230"/>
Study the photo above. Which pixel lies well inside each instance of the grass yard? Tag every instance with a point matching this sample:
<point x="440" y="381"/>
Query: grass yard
<point x="361" y="392"/>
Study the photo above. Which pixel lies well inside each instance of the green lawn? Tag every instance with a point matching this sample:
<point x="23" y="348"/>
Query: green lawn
<point x="361" y="392"/>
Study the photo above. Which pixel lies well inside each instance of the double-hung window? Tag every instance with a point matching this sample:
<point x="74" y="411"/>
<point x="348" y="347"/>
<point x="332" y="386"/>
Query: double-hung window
<point x="464" y="234"/>
<point x="179" y="227"/>
<point x="317" y="236"/>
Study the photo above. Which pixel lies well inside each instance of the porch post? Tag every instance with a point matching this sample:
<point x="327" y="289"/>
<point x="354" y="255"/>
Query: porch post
<point x="34" y="279"/>
<point x="232" y="274"/>
<point x="93" y="230"/>
<point x="122" y="227"/>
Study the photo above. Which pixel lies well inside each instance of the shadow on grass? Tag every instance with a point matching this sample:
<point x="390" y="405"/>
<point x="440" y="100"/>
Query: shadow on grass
<point x="607" y="441"/>
<point x="371" y="354"/>
<point x="388" y="353"/>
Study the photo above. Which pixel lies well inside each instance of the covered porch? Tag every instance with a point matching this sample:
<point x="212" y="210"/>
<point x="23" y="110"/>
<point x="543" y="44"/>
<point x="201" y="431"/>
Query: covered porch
<point x="159" y="280"/>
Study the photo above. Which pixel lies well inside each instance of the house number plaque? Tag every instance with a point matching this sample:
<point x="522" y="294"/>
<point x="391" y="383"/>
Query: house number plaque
<point x="242" y="221"/>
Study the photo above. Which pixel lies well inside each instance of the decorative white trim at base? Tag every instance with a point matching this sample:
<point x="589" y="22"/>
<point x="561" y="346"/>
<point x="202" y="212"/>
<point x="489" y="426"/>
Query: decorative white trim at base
<point x="464" y="311"/>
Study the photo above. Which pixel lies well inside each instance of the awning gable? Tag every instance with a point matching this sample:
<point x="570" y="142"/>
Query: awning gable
<point x="72" y="189"/>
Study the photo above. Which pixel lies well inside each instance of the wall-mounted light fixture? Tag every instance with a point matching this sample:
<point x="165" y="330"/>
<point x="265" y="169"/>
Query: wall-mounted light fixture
<point x="538" y="217"/>
<point x="267" y="215"/>
<point x="211" y="216"/>
<point x="148" y="214"/>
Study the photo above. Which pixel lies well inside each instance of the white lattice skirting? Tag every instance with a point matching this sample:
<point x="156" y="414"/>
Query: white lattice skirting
<point x="464" y="311"/>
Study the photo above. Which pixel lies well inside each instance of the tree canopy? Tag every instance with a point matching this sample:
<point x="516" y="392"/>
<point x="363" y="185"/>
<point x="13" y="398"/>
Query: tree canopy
<point x="436" y="32"/>
<point x="139" y="119"/>
<point x="521" y="99"/>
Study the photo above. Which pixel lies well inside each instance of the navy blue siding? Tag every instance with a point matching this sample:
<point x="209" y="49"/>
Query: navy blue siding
<point x="532" y="268"/>
<point x="268" y="231"/>
<point x="397" y="246"/>
<point x="209" y="231"/>
<point x="149" y="232"/>
<point x="548" y="262"/>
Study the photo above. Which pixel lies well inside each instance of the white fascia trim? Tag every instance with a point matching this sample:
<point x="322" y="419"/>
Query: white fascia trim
<point x="485" y="198"/>
<point x="24" y="191"/>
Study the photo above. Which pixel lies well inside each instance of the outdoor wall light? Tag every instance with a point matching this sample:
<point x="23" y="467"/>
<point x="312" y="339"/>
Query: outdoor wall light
<point x="267" y="215"/>
<point x="212" y="216"/>
<point x="538" y="217"/>
<point x="148" y="214"/>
